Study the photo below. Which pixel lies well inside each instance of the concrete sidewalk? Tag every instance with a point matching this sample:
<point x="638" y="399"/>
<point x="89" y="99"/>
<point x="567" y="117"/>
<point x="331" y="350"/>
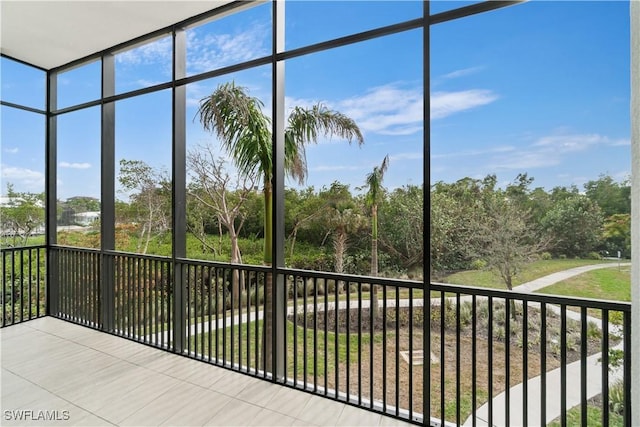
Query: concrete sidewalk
<point x="553" y="278"/>
<point x="552" y="389"/>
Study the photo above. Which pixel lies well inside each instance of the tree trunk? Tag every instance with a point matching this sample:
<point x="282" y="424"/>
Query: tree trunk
<point x="339" y="246"/>
<point x="267" y="330"/>
<point x="294" y="234"/>
<point x="235" y="276"/>
<point x="374" y="260"/>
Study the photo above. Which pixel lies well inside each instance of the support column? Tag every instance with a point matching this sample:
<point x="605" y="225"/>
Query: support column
<point x="426" y="212"/>
<point x="51" y="203"/>
<point x="279" y="294"/>
<point x="178" y="188"/>
<point x="107" y="194"/>
<point x="635" y="211"/>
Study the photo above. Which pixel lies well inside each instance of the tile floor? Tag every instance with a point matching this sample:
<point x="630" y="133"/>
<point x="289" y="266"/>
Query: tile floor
<point x="77" y="376"/>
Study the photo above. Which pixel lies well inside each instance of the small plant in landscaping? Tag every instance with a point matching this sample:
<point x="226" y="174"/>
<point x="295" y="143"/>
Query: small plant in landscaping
<point x="593" y="331"/>
<point x="616" y="397"/>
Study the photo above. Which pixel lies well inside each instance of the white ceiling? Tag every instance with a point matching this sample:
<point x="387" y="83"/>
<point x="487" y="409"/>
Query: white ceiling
<point x="53" y="33"/>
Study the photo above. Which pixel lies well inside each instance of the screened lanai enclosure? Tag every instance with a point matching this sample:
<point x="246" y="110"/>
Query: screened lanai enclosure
<point x="242" y="184"/>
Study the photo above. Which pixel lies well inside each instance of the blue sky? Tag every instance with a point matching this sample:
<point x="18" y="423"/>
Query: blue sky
<point x="541" y="88"/>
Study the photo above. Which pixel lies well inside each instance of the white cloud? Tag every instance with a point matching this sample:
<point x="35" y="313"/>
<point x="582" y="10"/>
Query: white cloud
<point x="209" y="51"/>
<point x="570" y="143"/>
<point x="332" y="168"/>
<point x="388" y="110"/>
<point x="23" y="179"/>
<point x="13" y="150"/>
<point x="444" y="104"/>
<point x="463" y="72"/>
<point x="551" y="150"/>
<point x="407" y="156"/>
<point x="75" y="165"/>
<point x="397" y="108"/>
<point x="469" y="153"/>
<point x="150" y="53"/>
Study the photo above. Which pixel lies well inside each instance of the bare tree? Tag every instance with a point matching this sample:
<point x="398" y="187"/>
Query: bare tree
<point x="507" y="239"/>
<point x="212" y="188"/>
<point x="151" y="200"/>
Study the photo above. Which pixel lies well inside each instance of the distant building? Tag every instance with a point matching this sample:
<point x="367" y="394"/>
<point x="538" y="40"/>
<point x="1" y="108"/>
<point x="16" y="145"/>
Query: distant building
<point x="12" y="202"/>
<point x="86" y="218"/>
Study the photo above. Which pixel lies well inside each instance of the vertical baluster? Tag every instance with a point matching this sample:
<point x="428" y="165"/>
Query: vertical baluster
<point x="474" y="360"/>
<point x="605" y="367"/>
<point x="583" y="366"/>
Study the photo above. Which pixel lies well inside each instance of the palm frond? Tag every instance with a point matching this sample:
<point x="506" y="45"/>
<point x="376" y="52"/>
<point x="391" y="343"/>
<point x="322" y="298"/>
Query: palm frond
<point x="243" y="130"/>
<point x="305" y="126"/>
<point x="374" y="180"/>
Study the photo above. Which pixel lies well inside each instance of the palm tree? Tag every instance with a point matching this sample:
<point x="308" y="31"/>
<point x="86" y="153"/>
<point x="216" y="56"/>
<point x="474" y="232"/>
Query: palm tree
<point x="245" y="133"/>
<point x="372" y="198"/>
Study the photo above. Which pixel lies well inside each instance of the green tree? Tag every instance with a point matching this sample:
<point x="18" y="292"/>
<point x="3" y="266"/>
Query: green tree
<point x="375" y="191"/>
<point x="617" y="234"/>
<point x="343" y="219"/>
<point x="245" y="133"/>
<point x="507" y="239"/>
<point x="401" y="217"/>
<point x="455" y="209"/>
<point x="574" y="225"/>
<point x="22" y="216"/>
<point x="612" y="197"/>
<point x="301" y="208"/>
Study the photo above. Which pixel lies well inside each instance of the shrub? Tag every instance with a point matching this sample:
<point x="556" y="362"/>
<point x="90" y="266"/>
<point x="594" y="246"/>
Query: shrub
<point x="466" y="313"/>
<point x="545" y="256"/>
<point x="562" y="256"/>
<point x="616" y="397"/>
<point x="594" y="255"/>
<point x="478" y="264"/>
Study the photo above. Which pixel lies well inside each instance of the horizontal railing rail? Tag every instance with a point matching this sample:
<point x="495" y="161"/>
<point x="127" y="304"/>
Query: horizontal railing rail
<point x="463" y="354"/>
<point x="23" y="271"/>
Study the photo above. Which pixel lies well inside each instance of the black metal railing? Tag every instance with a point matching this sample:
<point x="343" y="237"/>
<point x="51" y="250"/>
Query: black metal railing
<point x="23" y="284"/>
<point x="142" y="297"/>
<point x="516" y="358"/>
<point x="225" y="306"/>
<point x="355" y="339"/>
<point x="77" y="274"/>
<point x="458" y="354"/>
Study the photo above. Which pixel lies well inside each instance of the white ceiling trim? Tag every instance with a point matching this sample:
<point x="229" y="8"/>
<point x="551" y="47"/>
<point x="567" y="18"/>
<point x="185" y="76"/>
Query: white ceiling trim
<point x="49" y="34"/>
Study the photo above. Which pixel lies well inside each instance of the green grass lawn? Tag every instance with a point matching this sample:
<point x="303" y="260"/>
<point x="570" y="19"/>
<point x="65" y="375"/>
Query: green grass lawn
<point x="294" y="346"/>
<point x="594" y="418"/>
<point x="532" y="271"/>
<point x="608" y="283"/>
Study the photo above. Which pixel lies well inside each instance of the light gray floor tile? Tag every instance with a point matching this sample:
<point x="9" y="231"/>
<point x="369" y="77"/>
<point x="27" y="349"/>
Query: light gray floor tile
<point x="198" y="408"/>
<point x="207" y="377"/>
<point x="159" y="409"/>
<point x="321" y="411"/>
<point x="267" y="417"/>
<point x="258" y="392"/>
<point x="288" y="401"/>
<point x="102" y="379"/>
<point x="232" y="383"/>
<point x="352" y="416"/>
<point x="392" y="422"/>
<point x="235" y="413"/>
<point x="125" y="404"/>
